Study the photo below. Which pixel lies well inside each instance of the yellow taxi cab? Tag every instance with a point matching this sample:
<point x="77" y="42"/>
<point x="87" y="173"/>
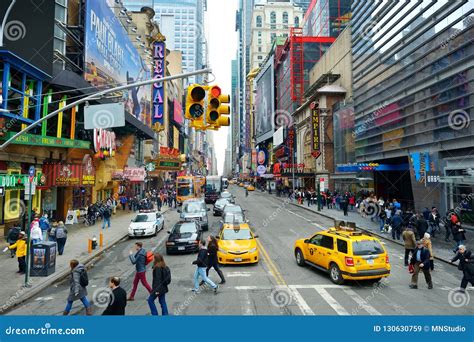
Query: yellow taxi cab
<point x="241" y="184"/>
<point x="237" y="243"/>
<point x="345" y="253"/>
<point x="250" y="187"/>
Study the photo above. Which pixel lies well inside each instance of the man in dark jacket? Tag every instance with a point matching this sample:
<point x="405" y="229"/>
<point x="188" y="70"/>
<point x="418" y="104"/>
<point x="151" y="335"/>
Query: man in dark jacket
<point x="138" y="258"/>
<point x="421" y="262"/>
<point x="466" y="265"/>
<point x="421" y="226"/>
<point x="458" y="235"/>
<point x="118" y="299"/>
<point x="397" y="223"/>
<point x="106" y="214"/>
<point x="201" y="263"/>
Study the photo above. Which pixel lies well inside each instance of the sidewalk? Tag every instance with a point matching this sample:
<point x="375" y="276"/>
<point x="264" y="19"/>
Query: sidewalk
<point x="13" y="292"/>
<point x="442" y="250"/>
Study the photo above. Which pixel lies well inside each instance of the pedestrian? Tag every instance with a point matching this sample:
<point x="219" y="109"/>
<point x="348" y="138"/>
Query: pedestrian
<point x="123" y="202"/>
<point x="78" y="282"/>
<point x="448" y="225"/>
<point x="458" y="233"/>
<point x="421" y="225"/>
<point x="117" y="300"/>
<point x="212" y="249"/>
<point x="44" y="225"/>
<point x="106" y="214"/>
<point x="52" y="232"/>
<point x="396" y="223"/>
<point x="382" y="218"/>
<point x="428" y="245"/>
<point x="159" y="202"/>
<point x="138" y="258"/>
<point x="201" y="264"/>
<point x="433" y="222"/>
<point x="61" y="237"/>
<point x="421" y="262"/>
<point x="20" y="246"/>
<point x="308" y="197"/>
<point x="409" y="240"/>
<point x="12" y="237"/>
<point x="36" y="235"/>
<point x="246" y="192"/>
<point x="466" y="265"/>
<point x="345" y="203"/>
<point x="161" y="280"/>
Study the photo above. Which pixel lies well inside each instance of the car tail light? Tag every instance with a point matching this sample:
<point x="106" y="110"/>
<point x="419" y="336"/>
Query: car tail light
<point x="387" y="261"/>
<point x="349" y="261"/>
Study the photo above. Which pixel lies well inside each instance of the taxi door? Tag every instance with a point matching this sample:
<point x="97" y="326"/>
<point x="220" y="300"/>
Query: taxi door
<point x="326" y="251"/>
<point x="313" y="249"/>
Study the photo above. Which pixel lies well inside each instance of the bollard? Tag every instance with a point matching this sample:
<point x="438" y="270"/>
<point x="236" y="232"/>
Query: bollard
<point x="89" y="246"/>
<point x="101" y="240"/>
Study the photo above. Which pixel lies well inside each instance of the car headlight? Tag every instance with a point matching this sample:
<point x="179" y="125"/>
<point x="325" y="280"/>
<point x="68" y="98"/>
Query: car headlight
<point x="253" y="250"/>
<point x="222" y="251"/>
<point x="170" y="243"/>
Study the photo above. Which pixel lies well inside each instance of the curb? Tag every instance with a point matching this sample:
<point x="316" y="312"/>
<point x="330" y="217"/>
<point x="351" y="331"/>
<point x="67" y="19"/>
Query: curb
<point x="63" y="274"/>
<point x="369" y="231"/>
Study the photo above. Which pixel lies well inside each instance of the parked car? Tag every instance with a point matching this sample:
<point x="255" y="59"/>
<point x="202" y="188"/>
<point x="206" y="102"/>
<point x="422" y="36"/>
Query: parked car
<point x="195" y="209"/>
<point x="232" y="208"/>
<point x="219" y="206"/>
<point x="184" y="237"/>
<point x="146" y="223"/>
<point x="228" y="195"/>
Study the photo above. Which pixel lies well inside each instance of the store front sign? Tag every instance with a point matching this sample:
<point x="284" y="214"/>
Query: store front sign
<point x="104" y="143"/>
<point x="134" y="174"/>
<point x="169" y="152"/>
<point x="12" y="181"/>
<point x="315" y="142"/>
<point x="38" y="140"/>
<point x="88" y="171"/>
<point x="64" y="175"/>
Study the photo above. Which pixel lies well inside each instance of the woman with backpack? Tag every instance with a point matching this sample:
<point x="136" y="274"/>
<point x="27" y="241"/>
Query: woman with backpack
<point x="77" y="291"/>
<point x="61" y="236"/>
<point x="161" y="280"/>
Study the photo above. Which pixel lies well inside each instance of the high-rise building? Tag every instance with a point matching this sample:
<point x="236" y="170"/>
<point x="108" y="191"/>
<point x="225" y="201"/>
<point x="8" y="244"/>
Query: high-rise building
<point x="182" y="23"/>
<point x="412" y="75"/>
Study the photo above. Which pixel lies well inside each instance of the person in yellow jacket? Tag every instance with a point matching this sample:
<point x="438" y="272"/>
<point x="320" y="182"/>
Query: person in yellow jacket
<point x="20" y="246"/>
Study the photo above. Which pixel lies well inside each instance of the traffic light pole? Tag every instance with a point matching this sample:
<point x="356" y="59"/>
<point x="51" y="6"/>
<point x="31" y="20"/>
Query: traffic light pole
<point x="100" y="93"/>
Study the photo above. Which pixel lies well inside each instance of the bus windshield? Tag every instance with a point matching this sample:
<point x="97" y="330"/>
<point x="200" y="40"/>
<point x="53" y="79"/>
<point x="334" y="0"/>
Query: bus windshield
<point x="213" y="185"/>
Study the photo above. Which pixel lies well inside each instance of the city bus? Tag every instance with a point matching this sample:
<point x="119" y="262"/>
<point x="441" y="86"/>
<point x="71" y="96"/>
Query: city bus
<point x="185" y="188"/>
<point x="213" y="188"/>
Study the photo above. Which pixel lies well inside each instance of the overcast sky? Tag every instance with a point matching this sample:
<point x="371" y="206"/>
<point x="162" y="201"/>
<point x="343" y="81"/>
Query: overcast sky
<point x="222" y="41"/>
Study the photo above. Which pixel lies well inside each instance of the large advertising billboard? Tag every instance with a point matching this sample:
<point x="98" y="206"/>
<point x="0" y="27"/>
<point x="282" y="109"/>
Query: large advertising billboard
<point x="264" y="104"/>
<point x="111" y="59"/>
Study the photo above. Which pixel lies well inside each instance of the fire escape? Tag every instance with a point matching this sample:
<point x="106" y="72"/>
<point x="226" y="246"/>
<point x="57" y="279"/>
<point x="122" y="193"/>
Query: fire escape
<point x="297" y="64"/>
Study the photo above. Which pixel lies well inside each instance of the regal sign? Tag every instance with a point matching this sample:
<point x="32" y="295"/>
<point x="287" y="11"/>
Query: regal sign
<point x="159" y="51"/>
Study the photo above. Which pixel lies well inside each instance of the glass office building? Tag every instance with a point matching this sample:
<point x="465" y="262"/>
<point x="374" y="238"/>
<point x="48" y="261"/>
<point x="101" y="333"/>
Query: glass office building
<point x="413" y="99"/>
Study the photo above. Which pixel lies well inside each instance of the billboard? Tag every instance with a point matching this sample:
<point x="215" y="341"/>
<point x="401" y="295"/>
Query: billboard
<point x="111" y="59"/>
<point x="264" y="104"/>
<point x="28" y="31"/>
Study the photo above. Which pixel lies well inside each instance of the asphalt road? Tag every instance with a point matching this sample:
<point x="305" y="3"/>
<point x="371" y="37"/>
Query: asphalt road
<point x="275" y="286"/>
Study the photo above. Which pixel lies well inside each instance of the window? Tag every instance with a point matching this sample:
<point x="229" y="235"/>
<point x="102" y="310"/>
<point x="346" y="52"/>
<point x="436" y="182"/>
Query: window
<point x="272" y="37"/>
<point x="285" y="19"/>
<point x="297" y="21"/>
<point x="259" y="57"/>
<point x="259" y="33"/>
<point x="259" y="21"/>
<point x="273" y="19"/>
<point x="316" y="240"/>
<point x="327" y="242"/>
<point x="259" y="41"/>
<point x="342" y="246"/>
<point x="259" y="49"/>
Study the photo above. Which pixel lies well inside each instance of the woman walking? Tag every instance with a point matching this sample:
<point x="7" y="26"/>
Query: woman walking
<point x="78" y="287"/>
<point x="212" y="258"/>
<point x="161" y="280"/>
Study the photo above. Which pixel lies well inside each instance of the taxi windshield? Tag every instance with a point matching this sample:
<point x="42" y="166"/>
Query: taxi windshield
<point x="236" y="234"/>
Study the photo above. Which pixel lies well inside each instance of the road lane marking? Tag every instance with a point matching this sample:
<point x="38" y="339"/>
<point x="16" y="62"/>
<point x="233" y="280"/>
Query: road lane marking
<point x="238" y="274"/>
<point x="333" y="303"/>
<point x="271" y="266"/>
<point x="362" y="302"/>
<point x="306" y="219"/>
<point x="304" y="307"/>
<point x="246" y="304"/>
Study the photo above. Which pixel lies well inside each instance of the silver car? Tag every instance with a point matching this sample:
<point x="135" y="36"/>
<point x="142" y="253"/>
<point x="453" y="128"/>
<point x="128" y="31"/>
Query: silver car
<point x="195" y="210"/>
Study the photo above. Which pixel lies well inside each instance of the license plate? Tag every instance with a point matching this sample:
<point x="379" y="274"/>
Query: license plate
<point x="370" y="261"/>
<point x="180" y="248"/>
<point x="139" y="232"/>
<point x="238" y="260"/>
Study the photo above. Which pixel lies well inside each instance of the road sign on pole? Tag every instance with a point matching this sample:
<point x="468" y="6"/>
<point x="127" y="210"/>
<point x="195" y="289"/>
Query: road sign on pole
<point x="31" y="174"/>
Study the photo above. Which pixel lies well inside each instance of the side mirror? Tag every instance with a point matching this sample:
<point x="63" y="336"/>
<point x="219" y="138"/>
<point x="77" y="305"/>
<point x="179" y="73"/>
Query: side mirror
<point x="306" y="241"/>
<point x="169" y="232"/>
<point x="255" y="236"/>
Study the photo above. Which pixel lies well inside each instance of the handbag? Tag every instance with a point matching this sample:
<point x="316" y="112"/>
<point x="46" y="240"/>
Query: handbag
<point x="411" y="269"/>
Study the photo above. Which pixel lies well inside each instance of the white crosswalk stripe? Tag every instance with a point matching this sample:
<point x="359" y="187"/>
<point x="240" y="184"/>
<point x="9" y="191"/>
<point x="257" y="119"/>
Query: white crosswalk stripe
<point x="362" y="302"/>
<point x="332" y="302"/>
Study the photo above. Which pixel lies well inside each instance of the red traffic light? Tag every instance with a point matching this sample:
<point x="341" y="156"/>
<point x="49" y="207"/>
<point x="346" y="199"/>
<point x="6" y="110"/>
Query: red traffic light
<point x="216" y="91"/>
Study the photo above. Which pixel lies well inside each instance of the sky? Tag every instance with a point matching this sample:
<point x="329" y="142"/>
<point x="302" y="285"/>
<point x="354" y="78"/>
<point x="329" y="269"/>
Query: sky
<point x="222" y="42"/>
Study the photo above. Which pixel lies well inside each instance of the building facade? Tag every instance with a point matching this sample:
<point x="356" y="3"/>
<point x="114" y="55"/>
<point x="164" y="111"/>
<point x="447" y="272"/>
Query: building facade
<point x="413" y="81"/>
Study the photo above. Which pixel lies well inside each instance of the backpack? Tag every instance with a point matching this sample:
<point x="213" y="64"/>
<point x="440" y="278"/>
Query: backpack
<point x="167" y="275"/>
<point x="84" y="279"/>
<point x="149" y="257"/>
<point x="60" y="232"/>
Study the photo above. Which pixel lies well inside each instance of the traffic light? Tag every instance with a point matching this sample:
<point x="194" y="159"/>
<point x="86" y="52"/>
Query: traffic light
<point x="195" y="105"/>
<point x="217" y="107"/>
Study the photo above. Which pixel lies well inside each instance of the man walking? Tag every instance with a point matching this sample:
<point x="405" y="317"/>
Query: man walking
<point x="138" y="258"/>
<point x="466" y="265"/>
<point x="106" y="215"/>
<point x="421" y="262"/>
<point x="201" y="263"/>
<point x="61" y="237"/>
<point x="409" y="240"/>
<point x="397" y="223"/>
<point x="118" y="299"/>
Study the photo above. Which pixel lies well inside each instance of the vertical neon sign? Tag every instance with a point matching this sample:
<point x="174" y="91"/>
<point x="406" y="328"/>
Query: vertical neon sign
<point x="158" y="89"/>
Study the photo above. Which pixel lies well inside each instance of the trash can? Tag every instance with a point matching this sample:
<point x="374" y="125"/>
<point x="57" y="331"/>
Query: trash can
<point x="43" y="259"/>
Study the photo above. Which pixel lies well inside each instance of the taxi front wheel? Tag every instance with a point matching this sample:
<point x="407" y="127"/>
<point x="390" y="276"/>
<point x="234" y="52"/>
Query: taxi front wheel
<point x="300" y="258"/>
<point x="335" y="274"/>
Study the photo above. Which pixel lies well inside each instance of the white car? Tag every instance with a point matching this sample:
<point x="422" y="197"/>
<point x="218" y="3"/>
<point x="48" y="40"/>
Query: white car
<point x="146" y="223"/>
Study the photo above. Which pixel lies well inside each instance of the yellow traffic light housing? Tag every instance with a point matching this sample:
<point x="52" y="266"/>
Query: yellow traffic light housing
<point x="224" y="109"/>
<point x="195" y="105"/>
<point x="213" y="105"/>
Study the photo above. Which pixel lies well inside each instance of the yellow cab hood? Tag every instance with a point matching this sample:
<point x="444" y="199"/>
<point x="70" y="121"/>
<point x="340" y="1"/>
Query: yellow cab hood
<point x="237" y="245"/>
